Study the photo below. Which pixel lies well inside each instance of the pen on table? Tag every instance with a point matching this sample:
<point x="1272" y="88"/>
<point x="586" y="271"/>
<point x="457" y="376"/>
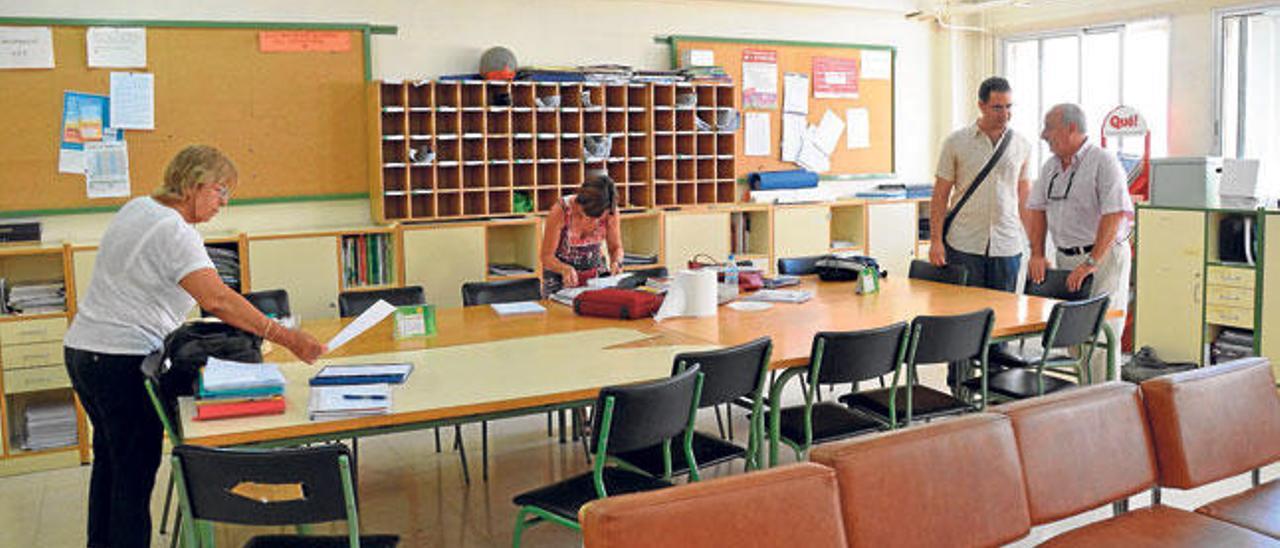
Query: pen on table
<point x="363" y="397"/>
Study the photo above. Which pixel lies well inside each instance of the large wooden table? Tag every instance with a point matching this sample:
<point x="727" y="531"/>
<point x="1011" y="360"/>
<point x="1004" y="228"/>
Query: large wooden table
<point x="481" y="365"/>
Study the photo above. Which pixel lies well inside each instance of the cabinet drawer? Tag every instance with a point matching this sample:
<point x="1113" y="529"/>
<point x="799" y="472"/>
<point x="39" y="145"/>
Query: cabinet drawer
<point x="1229" y="296"/>
<point x="1234" y="277"/>
<point x="19" y="356"/>
<point x="36" y="378"/>
<point x="31" y="331"/>
<point x="1230" y="316"/>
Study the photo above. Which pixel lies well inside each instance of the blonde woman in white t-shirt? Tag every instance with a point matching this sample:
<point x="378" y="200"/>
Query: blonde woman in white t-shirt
<point x="151" y="269"/>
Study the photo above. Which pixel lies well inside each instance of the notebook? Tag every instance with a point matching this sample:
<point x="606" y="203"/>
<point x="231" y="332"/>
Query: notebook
<point x="395" y="373"/>
<point x="525" y="307"/>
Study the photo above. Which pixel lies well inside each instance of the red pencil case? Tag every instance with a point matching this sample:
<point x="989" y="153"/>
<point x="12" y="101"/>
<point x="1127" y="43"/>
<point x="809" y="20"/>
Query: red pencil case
<point x="625" y="304"/>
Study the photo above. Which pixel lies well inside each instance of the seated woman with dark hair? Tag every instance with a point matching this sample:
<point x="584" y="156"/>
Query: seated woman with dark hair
<point x="576" y="226"/>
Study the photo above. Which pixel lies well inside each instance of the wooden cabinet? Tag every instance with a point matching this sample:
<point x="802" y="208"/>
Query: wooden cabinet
<point x="307" y="266"/>
<point x="1170" y="283"/>
<point x="441" y="258"/>
<point x="689" y="233"/>
<point x="1269" y="316"/>
<point x="800" y="231"/>
<point x="891" y="235"/>
<point x="41" y="424"/>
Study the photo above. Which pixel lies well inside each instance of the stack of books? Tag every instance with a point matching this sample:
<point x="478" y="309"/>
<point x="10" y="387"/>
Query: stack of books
<point x="237" y="389"/>
<point x="657" y="76"/>
<point x="707" y="74"/>
<point x="37" y="298"/>
<point x="606" y="74"/>
<point x="48" y="425"/>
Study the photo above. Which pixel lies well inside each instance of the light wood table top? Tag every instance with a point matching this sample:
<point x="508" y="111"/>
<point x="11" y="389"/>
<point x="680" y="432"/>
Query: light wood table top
<point x="480" y="363"/>
<point x="835" y="307"/>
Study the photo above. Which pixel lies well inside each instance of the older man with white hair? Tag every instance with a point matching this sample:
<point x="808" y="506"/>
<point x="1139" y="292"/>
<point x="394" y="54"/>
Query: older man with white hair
<point x="1083" y="200"/>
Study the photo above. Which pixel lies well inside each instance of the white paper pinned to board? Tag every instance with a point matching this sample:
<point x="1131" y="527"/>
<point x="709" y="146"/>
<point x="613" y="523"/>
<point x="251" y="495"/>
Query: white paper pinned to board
<point x="757" y="134"/>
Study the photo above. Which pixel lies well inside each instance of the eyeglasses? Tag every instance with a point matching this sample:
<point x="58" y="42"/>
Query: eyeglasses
<point x="1070" y="181"/>
<point x="224" y="192"/>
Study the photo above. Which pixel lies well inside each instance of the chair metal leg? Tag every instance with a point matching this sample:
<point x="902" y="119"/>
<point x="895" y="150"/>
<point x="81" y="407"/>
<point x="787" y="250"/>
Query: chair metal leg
<point x="584" y="425"/>
<point x="484" y="450"/>
<point x="560" y="415"/>
<point x="168" y="499"/>
<point x="728" y="413"/>
<point x="1155" y="496"/>
<point x="550" y="426"/>
<point x="719" y="422"/>
<point x="1119" y="507"/>
<point x="437" y="431"/>
<point x="177" y="530"/>
<point x="1256" y="476"/>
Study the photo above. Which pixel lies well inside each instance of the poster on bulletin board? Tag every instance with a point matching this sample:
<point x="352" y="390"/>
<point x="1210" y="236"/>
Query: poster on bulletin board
<point x="760" y="79"/>
<point x="835" y="78"/>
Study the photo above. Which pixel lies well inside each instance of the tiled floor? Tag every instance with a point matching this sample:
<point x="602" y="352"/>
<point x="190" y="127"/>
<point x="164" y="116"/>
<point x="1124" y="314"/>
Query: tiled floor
<point x="408" y="489"/>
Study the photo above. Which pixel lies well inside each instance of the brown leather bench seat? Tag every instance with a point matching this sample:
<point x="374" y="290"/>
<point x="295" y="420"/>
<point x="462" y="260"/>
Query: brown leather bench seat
<point x="1217" y="422"/>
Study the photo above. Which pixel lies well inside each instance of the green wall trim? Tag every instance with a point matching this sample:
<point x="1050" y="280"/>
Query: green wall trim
<point x="172" y="23"/>
<point x="673" y="39"/>
<point x="246" y="201"/>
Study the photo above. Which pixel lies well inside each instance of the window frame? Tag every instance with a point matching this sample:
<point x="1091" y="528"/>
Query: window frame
<point x="1080" y="32"/>
<point x="1218" y="74"/>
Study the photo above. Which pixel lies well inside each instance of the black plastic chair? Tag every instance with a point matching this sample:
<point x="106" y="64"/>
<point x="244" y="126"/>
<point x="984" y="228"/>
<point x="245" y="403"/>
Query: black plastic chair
<point x="502" y="291"/>
<point x="167" y="413"/>
<point x="799" y="266"/>
<point x="631" y="417"/>
<point x="838" y="358"/>
<point x="498" y="292"/>
<point x="1071" y="324"/>
<point x="308" y="485"/>
<point x="352" y="303"/>
<point x="1054" y="286"/>
<point x="731" y="375"/>
<point x="954" y="274"/>
<point x="271" y="302"/>
<point x="934" y="339"/>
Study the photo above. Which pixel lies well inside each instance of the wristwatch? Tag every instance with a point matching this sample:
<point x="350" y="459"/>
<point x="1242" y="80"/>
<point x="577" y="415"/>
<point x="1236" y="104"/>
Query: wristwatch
<point x="1088" y="259"/>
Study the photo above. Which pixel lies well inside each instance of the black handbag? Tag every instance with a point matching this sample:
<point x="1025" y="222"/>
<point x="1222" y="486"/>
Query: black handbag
<point x="845" y="269"/>
<point x="189" y="346"/>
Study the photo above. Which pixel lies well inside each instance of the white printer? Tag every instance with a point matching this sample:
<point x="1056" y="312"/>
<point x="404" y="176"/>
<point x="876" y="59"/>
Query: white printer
<point x="1206" y="181"/>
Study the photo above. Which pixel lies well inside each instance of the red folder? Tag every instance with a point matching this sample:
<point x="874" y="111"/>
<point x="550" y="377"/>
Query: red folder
<point x="269" y="406"/>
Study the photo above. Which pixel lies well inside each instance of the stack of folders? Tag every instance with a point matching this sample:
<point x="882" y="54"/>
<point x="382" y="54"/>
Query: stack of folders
<point x="237" y="389"/>
<point x="780" y="295"/>
<point x="355" y="400"/>
<point x="48" y="425"/>
<point x="346" y="375"/>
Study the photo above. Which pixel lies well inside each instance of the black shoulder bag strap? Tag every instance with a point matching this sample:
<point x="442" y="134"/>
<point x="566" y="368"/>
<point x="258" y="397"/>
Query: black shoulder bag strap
<point x="982" y="176"/>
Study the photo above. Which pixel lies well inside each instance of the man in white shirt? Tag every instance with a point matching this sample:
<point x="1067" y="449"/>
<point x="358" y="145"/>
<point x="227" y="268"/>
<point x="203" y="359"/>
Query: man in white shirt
<point x="1082" y="197"/>
<point x="986" y="236"/>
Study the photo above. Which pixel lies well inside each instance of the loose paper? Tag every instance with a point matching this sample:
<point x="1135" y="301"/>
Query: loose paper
<point x="812" y="158"/>
<point x="292" y="41"/>
<point x="795" y="95"/>
<point x="133" y="101"/>
<point x="112" y="47"/>
<point x="760" y="79"/>
<point x="85" y="118"/>
<point x="793" y="129"/>
<point x="828" y="132"/>
<point x="876" y="64"/>
<point x="835" y="78"/>
<point x="376" y="313"/>
<point x="26" y="48"/>
<point x="859" y="128"/>
<point x="106" y="169"/>
<point x="757" y="134"/>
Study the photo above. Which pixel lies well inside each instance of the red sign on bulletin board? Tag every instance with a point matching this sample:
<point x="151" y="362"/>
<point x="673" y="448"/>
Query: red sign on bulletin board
<point x="835" y="78"/>
<point x="282" y="41"/>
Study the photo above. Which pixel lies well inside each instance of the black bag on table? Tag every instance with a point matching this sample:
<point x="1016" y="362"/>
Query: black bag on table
<point x="189" y="346"/>
<point x="845" y="269"/>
